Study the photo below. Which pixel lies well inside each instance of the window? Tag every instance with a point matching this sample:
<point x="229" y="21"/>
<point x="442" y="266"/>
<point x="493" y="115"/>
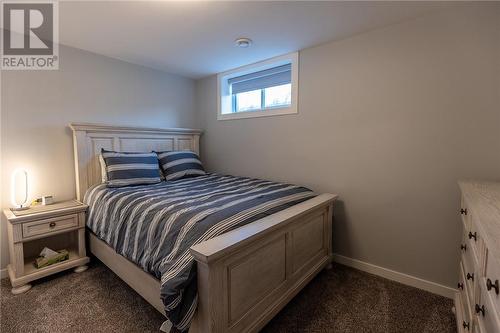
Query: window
<point x="266" y="88"/>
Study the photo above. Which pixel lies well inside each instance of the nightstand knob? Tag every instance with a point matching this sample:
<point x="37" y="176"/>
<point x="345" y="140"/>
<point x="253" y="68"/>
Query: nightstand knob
<point x="473" y="235"/>
<point x="463" y="211"/>
<point x="463" y="247"/>
<point x="490" y="285"/>
<point x="465" y="325"/>
<point x="52" y="224"/>
<point x="470" y="276"/>
<point x="460" y="286"/>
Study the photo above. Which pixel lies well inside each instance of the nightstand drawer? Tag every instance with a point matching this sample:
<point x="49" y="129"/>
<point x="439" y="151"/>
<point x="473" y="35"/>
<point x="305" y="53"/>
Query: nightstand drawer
<point x="46" y="226"/>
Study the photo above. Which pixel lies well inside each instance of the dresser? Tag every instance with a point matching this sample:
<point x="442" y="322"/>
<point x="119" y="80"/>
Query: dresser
<point x="477" y="302"/>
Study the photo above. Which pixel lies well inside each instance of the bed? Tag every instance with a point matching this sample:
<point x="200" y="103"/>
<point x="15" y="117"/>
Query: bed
<point x="243" y="274"/>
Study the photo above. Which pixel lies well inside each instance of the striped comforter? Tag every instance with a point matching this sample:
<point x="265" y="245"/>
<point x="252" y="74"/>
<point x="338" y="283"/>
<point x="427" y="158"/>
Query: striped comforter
<point x="155" y="225"/>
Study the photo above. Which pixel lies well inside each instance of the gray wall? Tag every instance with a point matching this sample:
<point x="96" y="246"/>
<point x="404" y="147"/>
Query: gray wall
<point x="37" y="106"/>
<point x="390" y="120"/>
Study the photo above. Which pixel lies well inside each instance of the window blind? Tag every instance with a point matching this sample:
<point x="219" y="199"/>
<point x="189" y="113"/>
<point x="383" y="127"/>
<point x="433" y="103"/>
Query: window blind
<point x="270" y="77"/>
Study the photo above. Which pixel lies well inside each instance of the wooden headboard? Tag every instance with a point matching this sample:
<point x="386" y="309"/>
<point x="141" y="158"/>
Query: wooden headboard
<point x="88" y="139"/>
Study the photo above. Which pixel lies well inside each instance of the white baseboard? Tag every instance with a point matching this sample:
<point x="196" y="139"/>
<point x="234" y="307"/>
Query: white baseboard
<point x="406" y="279"/>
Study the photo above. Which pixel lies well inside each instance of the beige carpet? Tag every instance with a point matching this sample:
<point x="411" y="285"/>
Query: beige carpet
<point x="338" y="300"/>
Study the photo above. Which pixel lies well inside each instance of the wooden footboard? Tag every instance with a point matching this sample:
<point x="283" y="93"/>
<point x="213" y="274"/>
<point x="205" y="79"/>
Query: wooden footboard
<point x="249" y="274"/>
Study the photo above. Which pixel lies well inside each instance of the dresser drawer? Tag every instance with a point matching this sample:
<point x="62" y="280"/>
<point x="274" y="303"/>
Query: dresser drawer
<point x="470" y="270"/>
<point x="46" y="226"/>
<point x="491" y="281"/>
<point x="464" y="212"/>
<point x="475" y="243"/>
<point x="486" y="313"/>
<point x="463" y="318"/>
<point x="468" y="256"/>
<point x="464" y="290"/>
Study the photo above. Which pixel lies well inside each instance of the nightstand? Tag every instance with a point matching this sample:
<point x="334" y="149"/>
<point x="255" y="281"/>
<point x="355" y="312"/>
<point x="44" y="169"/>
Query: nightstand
<point x="57" y="226"/>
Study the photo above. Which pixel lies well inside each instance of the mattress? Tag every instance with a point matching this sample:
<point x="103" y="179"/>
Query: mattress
<point x="155" y="225"/>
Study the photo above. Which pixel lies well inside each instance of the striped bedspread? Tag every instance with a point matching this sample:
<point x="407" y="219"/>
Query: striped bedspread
<point x="155" y="225"/>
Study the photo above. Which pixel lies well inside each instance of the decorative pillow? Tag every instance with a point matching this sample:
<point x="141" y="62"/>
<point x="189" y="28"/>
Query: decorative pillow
<point x="180" y="164"/>
<point x="124" y="169"/>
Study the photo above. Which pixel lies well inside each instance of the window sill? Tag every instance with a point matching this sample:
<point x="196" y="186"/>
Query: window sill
<point x="258" y="113"/>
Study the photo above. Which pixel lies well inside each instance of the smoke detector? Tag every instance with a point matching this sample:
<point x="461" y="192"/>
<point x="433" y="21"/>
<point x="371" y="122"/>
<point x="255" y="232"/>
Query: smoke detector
<point x="243" y="42"/>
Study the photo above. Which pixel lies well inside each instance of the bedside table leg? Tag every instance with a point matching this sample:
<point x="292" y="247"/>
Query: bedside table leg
<point x="21" y="289"/>
<point x="80" y="269"/>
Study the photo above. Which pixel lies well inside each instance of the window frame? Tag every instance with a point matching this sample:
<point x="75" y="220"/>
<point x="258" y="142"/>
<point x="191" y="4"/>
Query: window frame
<point x="225" y="99"/>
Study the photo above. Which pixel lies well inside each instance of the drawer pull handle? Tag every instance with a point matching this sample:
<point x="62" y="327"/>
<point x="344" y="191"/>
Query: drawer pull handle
<point x="490" y="285"/>
<point x="470" y="276"/>
<point x="465" y="325"/>
<point x="473" y="235"/>
<point x="463" y="211"/>
<point x="463" y="247"/>
<point x="480" y="309"/>
<point x="460" y="286"/>
<point x="52" y="224"/>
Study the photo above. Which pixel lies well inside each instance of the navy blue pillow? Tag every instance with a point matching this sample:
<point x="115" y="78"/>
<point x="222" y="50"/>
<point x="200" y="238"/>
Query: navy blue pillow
<point x="180" y="164"/>
<point x="124" y="169"/>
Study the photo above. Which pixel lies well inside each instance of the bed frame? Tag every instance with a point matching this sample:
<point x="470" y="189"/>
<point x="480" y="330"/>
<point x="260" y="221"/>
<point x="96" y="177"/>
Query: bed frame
<point x="245" y="276"/>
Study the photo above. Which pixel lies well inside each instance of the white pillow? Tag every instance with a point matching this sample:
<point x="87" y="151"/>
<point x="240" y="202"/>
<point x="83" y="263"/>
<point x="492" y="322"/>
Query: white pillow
<point x="104" y="176"/>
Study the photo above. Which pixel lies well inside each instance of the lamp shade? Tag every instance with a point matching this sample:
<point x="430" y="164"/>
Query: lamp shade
<point x="19" y="189"/>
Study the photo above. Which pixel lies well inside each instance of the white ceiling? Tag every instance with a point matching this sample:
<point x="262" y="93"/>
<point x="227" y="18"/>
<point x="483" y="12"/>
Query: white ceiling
<point x="195" y="39"/>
